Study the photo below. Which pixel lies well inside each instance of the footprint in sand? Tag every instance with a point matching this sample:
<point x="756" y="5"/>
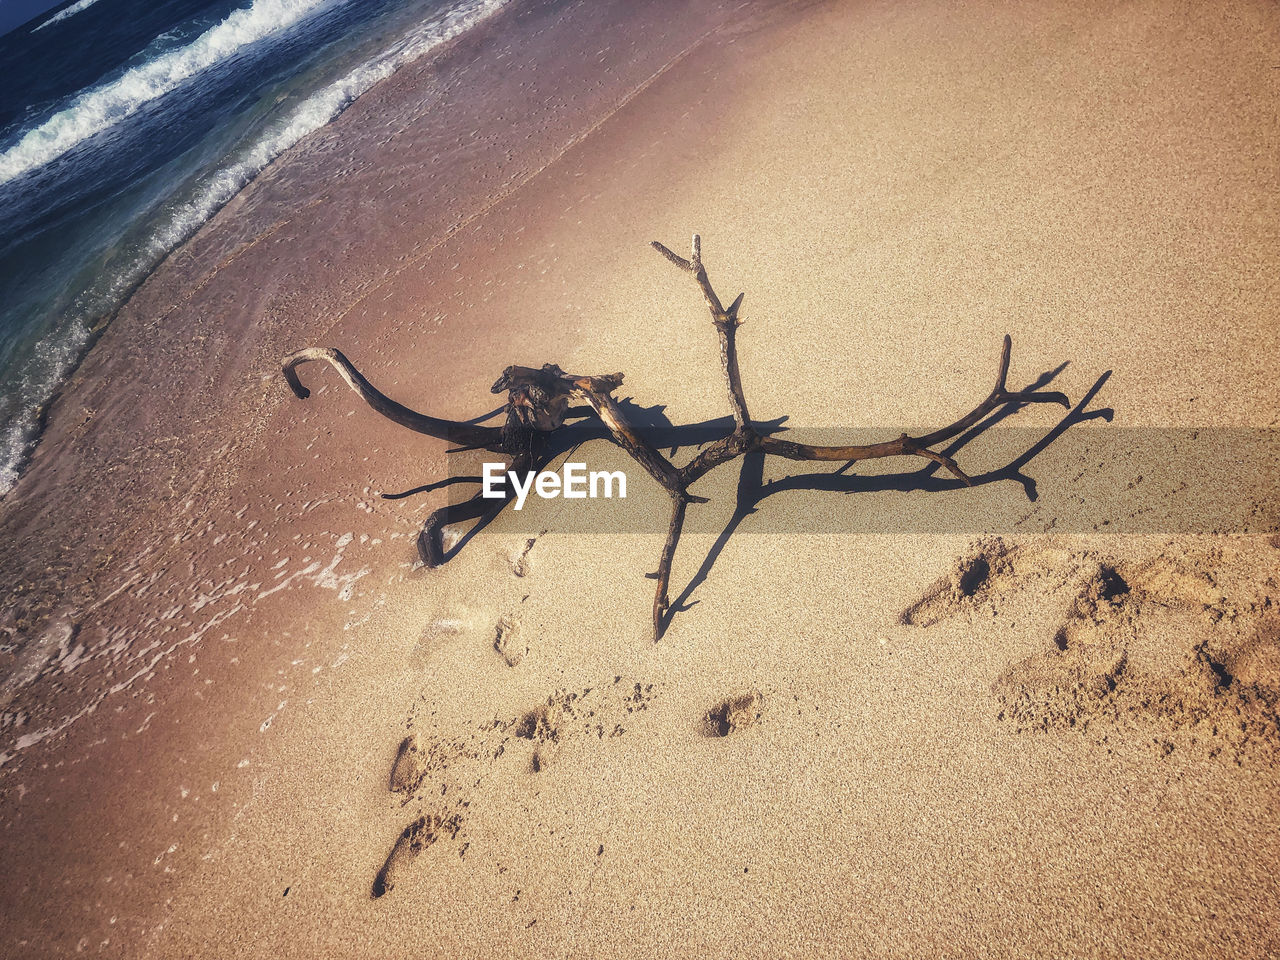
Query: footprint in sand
<point x="988" y="571"/>
<point x="521" y="566"/>
<point x="443" y="776"/>
<point x="508" y="641"/>
<point x="439" y="630"/>
<point x="1183" y="647"/>
<point x="415" y="838"/>
<point x="541" y="726"/>
<point x="732" y="715"/>
<point x="597" y="713"/>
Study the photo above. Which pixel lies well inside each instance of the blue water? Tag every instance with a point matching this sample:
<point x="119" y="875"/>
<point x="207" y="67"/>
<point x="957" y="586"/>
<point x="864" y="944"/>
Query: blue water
<point x="126" y="124"/>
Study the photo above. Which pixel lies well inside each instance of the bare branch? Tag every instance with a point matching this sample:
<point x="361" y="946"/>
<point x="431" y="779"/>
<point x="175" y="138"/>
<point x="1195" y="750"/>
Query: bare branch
<point x="679" y="261"/>
<point x="538" y="404"/>
<point x="488" y="438"/>
<point x="721" y="451"/>
<point x="918" y="446"/>
<point x="643" y="452"/>
<point x="726" y="323"/>
<point x="431" y="537"/>
<point x="661" y="604"/>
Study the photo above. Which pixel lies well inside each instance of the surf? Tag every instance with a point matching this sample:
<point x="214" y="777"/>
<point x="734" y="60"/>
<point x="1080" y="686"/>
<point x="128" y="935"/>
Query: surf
<point x="69" y="324"/>
<point x="70" y="11"/>
<point x="100" y="108"/>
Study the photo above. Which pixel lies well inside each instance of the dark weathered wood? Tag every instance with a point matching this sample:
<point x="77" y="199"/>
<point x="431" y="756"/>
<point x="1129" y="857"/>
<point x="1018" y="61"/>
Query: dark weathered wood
<point x="538" y="404"/>
<point x="626" y="436"/>
<point x="431" y="537"/>
<point x="726" y="323"/>
<point x="485" y="438"/>
<point x="660" y="602"/>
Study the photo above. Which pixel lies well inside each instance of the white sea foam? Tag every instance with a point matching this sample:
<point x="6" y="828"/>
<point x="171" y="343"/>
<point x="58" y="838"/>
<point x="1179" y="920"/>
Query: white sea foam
<point x="61" y="15"/>
<point x="48" y="368"/>
<point x="104" y="106"/>
<point x="314" y="112"/>
<point x="58" y="355"/>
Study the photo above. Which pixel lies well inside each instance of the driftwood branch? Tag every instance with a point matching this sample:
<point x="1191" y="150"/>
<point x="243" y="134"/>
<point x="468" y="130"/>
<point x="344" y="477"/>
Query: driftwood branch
<point x="487" y="438"/>
<point x="726" y="323"/>
<point x="540" y="401"/>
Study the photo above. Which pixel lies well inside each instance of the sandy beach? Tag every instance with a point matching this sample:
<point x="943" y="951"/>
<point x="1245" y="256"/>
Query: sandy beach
<point x="889" y="717"/>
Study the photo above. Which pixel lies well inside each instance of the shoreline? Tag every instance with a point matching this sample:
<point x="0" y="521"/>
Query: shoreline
<point x="218" y="553"/>
<point x="96" y="327"/>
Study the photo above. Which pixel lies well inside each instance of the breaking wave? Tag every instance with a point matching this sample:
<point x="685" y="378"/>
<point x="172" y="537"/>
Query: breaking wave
<point x="102" y="107"/>
<point x="179" y="219"/>
<point x="70" y="11"/>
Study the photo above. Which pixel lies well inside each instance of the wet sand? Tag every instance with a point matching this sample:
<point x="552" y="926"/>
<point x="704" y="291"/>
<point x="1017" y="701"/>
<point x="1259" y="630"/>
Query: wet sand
<point x="235" y="709"/>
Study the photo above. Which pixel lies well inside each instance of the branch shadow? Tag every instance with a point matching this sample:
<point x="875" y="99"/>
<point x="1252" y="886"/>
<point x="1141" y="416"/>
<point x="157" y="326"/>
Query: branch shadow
<point x="428" y="487"/>
<point x="752" y="490"/>
<point x="485" y="510"/>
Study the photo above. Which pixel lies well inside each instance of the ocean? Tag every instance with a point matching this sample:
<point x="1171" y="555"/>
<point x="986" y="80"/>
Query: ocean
<point x="126" y="124"/>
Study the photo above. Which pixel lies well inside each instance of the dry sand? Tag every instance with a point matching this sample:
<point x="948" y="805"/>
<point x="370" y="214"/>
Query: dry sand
<point x="229" y="691"/>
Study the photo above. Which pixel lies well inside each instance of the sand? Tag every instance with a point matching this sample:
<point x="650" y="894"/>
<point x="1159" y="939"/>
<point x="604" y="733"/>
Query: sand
<point x="239" y="720"/>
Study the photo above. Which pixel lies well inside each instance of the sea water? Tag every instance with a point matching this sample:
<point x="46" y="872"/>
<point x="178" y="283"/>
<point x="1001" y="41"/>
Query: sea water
<point x="126" y="124"/>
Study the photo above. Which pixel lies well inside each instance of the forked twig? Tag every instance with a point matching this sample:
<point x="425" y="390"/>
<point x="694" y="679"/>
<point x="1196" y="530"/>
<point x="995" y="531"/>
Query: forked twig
<point x="539" y="403"/>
